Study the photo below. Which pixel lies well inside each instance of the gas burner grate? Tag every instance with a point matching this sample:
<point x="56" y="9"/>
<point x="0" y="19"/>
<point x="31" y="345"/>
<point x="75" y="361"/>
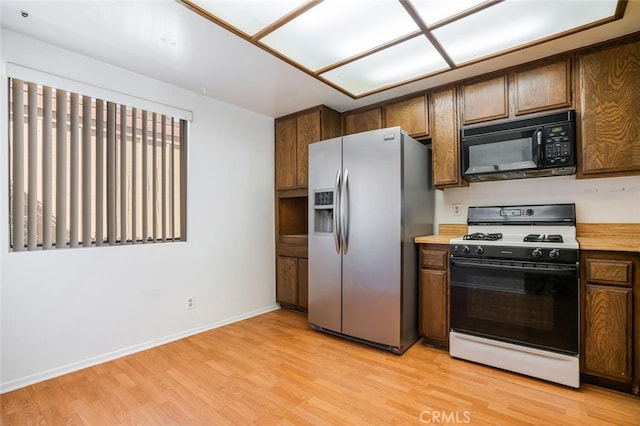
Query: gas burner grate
<point x="483" y="236"/>
<point x="541" y="238"/>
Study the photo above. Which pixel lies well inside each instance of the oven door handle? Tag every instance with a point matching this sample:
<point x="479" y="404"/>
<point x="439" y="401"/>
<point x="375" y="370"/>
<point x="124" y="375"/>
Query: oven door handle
<point x="547" y="269"/>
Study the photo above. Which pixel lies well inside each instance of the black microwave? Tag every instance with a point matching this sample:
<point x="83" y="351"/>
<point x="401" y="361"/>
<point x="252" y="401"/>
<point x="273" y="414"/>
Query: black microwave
<point x="533" y="147"/>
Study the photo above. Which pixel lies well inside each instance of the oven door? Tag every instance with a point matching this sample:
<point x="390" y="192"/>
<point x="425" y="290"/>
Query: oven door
<point x="528" y="303"/>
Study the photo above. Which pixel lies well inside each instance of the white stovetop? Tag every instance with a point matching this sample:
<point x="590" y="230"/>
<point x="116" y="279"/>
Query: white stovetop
<point x="513" y="235"/>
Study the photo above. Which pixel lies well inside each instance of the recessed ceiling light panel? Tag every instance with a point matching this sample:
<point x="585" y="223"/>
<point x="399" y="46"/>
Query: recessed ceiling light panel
<point x="403" y="62"/>
<point x="432" y="11"/>
<point x="335" y="30"/>
<point x="513" y="23"/>
<point x="250" y="16"/>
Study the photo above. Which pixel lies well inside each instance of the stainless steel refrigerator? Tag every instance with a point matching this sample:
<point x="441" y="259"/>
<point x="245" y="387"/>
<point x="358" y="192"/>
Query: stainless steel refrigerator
<point x="369" y="196"/>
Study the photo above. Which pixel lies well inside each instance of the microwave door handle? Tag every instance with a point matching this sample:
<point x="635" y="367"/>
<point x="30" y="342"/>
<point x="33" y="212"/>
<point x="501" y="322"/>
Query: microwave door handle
<point x="539" y="154"/>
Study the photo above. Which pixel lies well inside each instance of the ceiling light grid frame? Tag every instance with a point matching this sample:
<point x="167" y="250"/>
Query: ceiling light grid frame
<point x="363" y="47"/>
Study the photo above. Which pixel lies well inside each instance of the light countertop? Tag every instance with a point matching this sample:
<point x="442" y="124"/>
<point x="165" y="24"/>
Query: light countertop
<point x="445" y="233"/>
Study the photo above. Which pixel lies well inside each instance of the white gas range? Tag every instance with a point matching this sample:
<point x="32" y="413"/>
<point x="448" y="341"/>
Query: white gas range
<point x="514" y="291"/>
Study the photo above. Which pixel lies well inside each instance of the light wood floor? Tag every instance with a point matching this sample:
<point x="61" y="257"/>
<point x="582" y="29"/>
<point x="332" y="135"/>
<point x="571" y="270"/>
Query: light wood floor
<point x="272" y="369"/>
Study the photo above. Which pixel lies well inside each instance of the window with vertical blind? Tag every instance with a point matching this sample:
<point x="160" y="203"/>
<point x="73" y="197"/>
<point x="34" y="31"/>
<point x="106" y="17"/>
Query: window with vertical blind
<point x="88" y="172"/>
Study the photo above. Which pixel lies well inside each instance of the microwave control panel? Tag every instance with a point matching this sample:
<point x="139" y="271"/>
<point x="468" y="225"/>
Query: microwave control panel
<point x="559" y="143"/>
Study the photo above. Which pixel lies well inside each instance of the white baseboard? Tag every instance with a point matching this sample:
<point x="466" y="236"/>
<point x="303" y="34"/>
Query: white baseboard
<point x="110" y="356"/>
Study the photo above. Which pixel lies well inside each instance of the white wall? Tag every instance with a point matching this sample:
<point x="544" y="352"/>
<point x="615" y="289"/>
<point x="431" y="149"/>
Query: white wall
<point x="61" y="310"/>
<point x="597" y="200"/>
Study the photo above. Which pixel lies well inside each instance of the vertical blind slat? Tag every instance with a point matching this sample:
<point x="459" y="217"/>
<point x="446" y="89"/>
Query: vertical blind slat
<point x="134" y="172"/>
<point x="17" y="90"/>
<point x="145" y="224"/>
<point x="111" y="172"/>
<point x="47" y="169"/>
<point x="154" y="180"/>
<point x="99" y="172"/>
<point x="172" y="179"/>
<point x="183" y="179"/>
<point x="86" y="171"/>
<point x="61" y="168"/>
<point x="123" y="174"/>
<point x="74" y="187"/>
<point x="32" y="167"/>
<point x="163" y="189"/>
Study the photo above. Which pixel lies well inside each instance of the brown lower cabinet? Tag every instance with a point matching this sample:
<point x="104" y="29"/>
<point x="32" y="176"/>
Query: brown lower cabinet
<point x="292" y="282"/>
<point x="610" y="341"/>
<point x="434" y="295"/>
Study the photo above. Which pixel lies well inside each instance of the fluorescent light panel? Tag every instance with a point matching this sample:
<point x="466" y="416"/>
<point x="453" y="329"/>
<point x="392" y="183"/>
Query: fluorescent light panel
<point x="513" y="23"/>
<point x="335" y="30"/>
<point x="400" y="63"/>
<point x="337" y="40"/>
<point x="250" y="16"/>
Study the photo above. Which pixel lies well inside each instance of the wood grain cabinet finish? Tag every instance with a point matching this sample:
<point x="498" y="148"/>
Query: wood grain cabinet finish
<point x="287" y="280"/>
<point x="410" y="114"/>
<point x="543" y="87"/>
<point x="608" y="350"/>
<point x="292" y="282"/>
<point x="610" y="326"/>
<point x="285" y="153"/>
<point x="485" y="100"/>
<point x="293" y="134"/>
<point x="445" y="140"/>
<point x="604" y="271"/>
<point x="609" y="109"/>
<point x="362" y="121"/>
<point x="434" y="295"/>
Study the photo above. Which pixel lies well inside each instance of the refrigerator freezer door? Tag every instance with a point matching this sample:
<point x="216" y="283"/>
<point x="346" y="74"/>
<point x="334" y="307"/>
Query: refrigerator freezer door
<point x="371" y="274"/>
<point x="325" y="262"/>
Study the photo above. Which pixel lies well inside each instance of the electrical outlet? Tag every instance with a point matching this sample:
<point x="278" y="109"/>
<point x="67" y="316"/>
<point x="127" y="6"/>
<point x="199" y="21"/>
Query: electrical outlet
<point x="191" y="302"/>
<point x="456" y="209"/>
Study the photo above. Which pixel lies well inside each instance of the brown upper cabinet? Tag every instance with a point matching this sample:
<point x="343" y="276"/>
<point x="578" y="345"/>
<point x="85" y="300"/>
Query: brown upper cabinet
<point x="543" y="87"/>
<point x="293" y="134"/>
<point x="445" y="139"/>
<point x="535" y="88"/>
<point x="609" y="107"/>
<point x="410" y="114"/>
<point x="485" y="100"/>
<point x="362" y="121"/>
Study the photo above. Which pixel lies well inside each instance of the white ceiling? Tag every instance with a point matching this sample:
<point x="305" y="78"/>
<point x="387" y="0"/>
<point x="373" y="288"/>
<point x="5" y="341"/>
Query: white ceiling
<point x="164" y="40"/>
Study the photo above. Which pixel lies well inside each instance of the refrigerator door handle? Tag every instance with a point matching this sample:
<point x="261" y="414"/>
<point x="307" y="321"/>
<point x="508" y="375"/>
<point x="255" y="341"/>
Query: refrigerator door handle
<point x="344" y="211"/>
<point x="336" y="210"/>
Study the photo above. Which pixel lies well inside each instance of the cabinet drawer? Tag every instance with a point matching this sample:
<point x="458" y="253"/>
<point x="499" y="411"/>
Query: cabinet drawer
<point x="606" y="271"/>
<point x="436" y="259"/>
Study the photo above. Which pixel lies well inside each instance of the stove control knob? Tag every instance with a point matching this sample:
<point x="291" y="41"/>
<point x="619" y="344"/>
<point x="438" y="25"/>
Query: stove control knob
<point x="466" y="250"/>
<point x="554" y="254"/>
<point x="529" y="212"/>
<point x="479" y="250"/>
<point x="536" y="253"/>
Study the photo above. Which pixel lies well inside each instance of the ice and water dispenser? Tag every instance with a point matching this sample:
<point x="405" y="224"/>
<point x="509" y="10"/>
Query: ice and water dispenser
<point x="323" y="212"/>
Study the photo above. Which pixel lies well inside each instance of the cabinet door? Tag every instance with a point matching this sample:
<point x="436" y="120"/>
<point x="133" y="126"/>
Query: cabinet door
<point x="433" y="305"/>
<point x="608" y="332"/>
<point x="485" y="100"/>
<point x="362" y="121"/>
<point x="303" y="283"/>
<point x="544" y="87"/>
<point x="445" y="142"/>
<point x="287" y="280"/>
<point x="610" y="107"/>
<point x="411" y="114"/>
<point x="307" y="131"/>
<point x="285" y="155"/>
